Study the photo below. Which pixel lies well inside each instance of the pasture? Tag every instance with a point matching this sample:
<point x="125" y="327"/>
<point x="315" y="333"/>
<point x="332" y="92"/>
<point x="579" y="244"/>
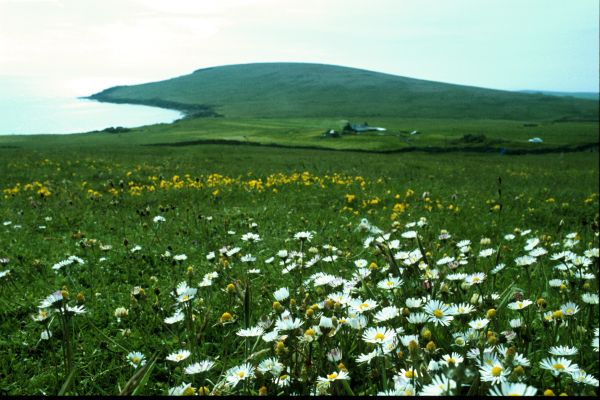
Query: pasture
<point x="232" y="269"/>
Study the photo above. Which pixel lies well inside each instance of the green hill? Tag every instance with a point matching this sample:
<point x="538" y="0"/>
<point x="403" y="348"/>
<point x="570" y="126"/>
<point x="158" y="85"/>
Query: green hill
<point x="577" y="95"/>
<point x="284" y="90"/>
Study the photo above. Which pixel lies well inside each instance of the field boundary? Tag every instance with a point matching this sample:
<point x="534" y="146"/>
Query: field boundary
<point x="428" y="149"/>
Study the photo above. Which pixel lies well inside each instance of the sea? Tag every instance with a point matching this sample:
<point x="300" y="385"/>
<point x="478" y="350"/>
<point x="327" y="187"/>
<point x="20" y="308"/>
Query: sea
<point x="28" y="107"/>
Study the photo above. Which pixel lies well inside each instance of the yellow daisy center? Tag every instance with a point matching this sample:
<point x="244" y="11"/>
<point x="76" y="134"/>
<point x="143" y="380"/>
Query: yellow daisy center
<point x="496" y="371"/>
<point x="409" y="374"/>
<point x="241" y="374"/>
<point x="438" y="313"/>
<point x="558" y="366"/>
<point x="390" y="283"/>
<point x="363" y="306"/>
<point x="179" y="357"/>
<point x="451" y="360"/>
<point x="135" y="360"/>
<point x="379" y="336"/>
<point x="332" y="376"/>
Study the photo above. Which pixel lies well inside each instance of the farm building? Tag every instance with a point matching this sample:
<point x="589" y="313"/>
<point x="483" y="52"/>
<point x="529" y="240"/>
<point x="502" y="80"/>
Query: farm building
<point x="360" y="128"/>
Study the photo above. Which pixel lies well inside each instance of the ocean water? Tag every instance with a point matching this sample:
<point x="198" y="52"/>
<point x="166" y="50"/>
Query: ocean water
<point x="27" y="108"/>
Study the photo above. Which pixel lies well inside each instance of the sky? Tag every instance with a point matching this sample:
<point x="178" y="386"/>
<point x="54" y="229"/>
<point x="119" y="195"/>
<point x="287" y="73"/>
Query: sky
<point x="83" y="46"/>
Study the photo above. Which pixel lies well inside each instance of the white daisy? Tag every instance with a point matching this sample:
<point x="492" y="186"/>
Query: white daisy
<point x="558" y="366"/>
<point x="512" y="389"/>
<point x="439" y="386"/>
<point x="198" y="367"/>
<point x="479" y="323"/>
<point x="378" y="335"/>
<point x="493" y="371"/>
<point x="239" y="373"/>
<point x="178" y="356"/>
<point x="439" y="313"/>
<point x="136" y="359"/>
<point x="251" y="332"/>
<point x="562" y="351"/>
<point x="386" y="314"/>
<point x="519" y="305"/>
<point x="281" y="294"/>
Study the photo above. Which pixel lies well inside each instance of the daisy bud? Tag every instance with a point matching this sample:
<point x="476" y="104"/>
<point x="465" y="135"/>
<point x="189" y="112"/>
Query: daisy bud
<point x="190" y="270"/>
<point x="491" y="313"/>
<point x="80" y="297"/>
<point x="426" y="334"/>
<point x="309" y="313"/>
<point x="373" y="266"/>
<point x="329" y="304"/>
<point x="337" y="306"/>
<point x="189" y="391"/>
<point x="492" y="339"/>
<point x="262" y="391"/>
<point x="549" y="392"/>
<point x="65" y="294"/>
<point x="444" y="288"/>
<point x="406" y="311"/>
<point x="586" y="286"/>
<point x="474" y="298"/>
<point x="226" y="317"/>
<point x="277" y="306"/>
<point x="203" y="391"/>
<point x="557" y="314"/>
<point x="413" y="346"/>
<point x="342" y="367"/>
<point x="431" y="346"/>
<point x="541" y="302"/>
<point x="231" y="288"/>
<point x="292" y="302"/>
<point x="518" y="371"/>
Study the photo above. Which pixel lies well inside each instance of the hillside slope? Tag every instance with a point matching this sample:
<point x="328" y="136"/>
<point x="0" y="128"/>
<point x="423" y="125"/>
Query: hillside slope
<point x="282" y="90"/>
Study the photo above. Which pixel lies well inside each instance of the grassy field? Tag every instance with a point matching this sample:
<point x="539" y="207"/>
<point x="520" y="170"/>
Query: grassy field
<point x="440" y="135"/>
<point x="139" y="269"/>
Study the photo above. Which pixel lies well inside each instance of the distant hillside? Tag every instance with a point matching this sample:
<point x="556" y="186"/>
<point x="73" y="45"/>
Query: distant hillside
<point x="577" y="95"/>
<point x="282" y="90"/>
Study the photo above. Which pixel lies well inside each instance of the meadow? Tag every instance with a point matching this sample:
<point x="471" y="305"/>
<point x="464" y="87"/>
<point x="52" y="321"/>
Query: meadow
<point x="230" y="269"/>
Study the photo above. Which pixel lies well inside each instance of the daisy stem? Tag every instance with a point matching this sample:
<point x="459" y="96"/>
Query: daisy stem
<point x="347" y="387"/>
<point x="383" y="372"/>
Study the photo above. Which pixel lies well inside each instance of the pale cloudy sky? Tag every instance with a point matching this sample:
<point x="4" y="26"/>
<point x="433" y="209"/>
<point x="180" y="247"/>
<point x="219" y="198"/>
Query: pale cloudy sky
<point x="86" y="45"/>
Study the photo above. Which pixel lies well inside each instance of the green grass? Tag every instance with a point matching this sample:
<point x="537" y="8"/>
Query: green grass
<point x="105" y="190"/>
<point x="439" y="134"/>
<point x="291" y="90"/>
